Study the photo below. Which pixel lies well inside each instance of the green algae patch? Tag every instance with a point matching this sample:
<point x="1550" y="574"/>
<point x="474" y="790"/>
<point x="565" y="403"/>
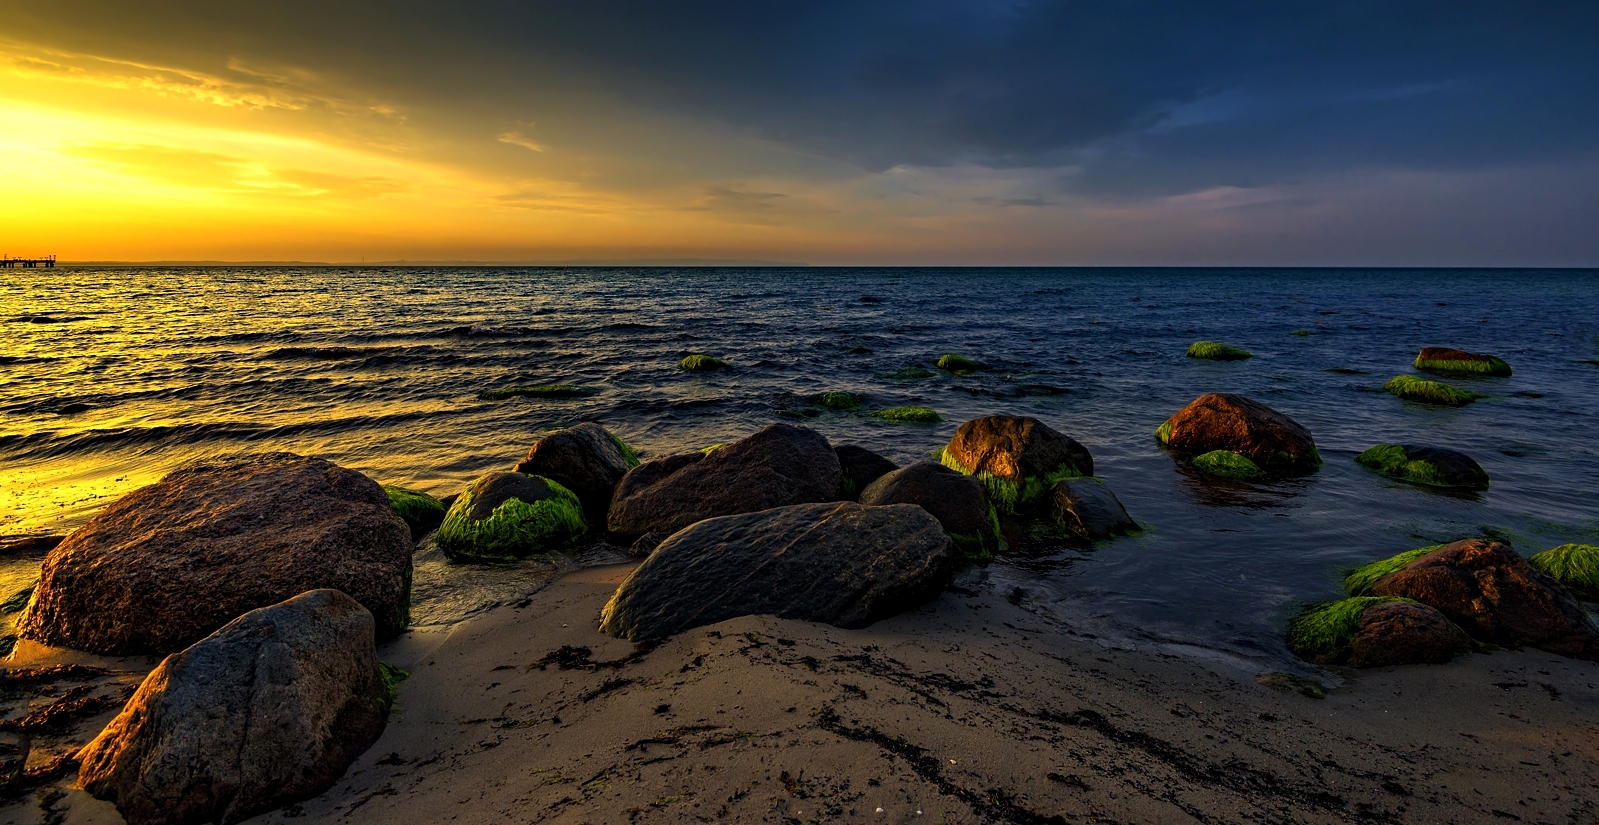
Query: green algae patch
<point x="1212" y="351"/>
<point x="541" y="391"/>
<point x="1322" y="632"/>
<point x="1484" y="365"/>
<point x="958" y="364"/>
<point x="701" y="363"/>
<point x="420" y="511"/>
<point x="1163" y="433"/>
<point x="1422" y="391"/>
<point x="1302" y="333"/>
<point x="1006" y="494"/>
<point x="1293" y="683"/>
<point x="838" y="400"/>
<point x="1228" y="464"/>
<point x="515" y="528"/>
<point x="1394" y="461"/>
<point x="711" y="448"/>
<point x="1574" y="565"/>
<point x="980" y="546"/>
<point x="913" y="374"/>
<point x="912" y="415"/>
<point x="1360" y="580"/>
<point x="627" y="452"/>
<point x="391" y="677"/>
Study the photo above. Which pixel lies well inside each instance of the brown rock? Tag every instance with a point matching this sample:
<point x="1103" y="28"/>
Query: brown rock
<point x="1494" y="595"/>
<point x="1086" y="508"/>
<point x="267" y="711"/>
<point x="1404" y="633"/>
<point x="168" y="564"/>
<point x="861" y="467"/>
<point x="1018" y="458"/>
<point x="778" y="466"/>
<point x="584" y="459"/>
<point x="958" y="502"/>
<point x="1222" y="421"/>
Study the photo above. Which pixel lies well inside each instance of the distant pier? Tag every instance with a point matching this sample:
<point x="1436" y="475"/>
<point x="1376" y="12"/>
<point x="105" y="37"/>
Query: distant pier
<point x="8" y="262"/>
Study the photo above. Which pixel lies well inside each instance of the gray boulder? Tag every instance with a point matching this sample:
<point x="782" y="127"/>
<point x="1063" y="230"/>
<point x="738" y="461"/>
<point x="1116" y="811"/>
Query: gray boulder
<point x="958" y="502"/>
<point x="585" y="459"/>
<point x="1087" y="509"/>
<point x="841" y="563"/>
<point x="267" y="711"/>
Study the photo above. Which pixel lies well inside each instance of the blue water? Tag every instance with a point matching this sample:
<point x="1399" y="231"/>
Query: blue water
<point x="379" y="369"/>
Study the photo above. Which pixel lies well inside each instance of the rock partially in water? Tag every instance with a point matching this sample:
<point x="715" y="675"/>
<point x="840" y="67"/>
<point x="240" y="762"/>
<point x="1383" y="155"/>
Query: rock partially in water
<point x="912" y="415"/>
<point x="1497" y="597"/>
<point x="701" y="363"/>
<point x="1422" y="391"/>
<point x="778" y="466"/>
<point x="1087" y="509"/>
<point x="1370" y="631"/>
<point x="1431" y="466"/>
<point x="1274" y="442"/>
<point x="1019" y="459"/>
<point x="506" y="516"/>
<point x="1574" y="565"/>
<point x="586" y="459"/>
<point x="958" y="364"/>
<point x="420" y="511"/>
<point x="1449" y="361"/>
<point x="268" y="711"/>
<point x="841" y="563"/>
<point x="958" y="502"/>
<point x="860" y="467"/>
<point x="168" y="564"/>
<point x="1212" y="351"/>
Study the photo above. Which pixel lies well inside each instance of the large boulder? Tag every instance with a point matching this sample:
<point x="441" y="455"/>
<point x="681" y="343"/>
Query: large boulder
<point x="585" y="459"/>
<point x="1019" y="459"/>
<point x="1430" y="466"/>
<point x="166" y="565"/>
<point x="267" y="711"/>
<point x="1497" y="597"/>
<point x="860" y="467"/>
<point x="1087" y="509"/>
<point x="506" y="516"/>
<point x="1275" y="443"/>
<point x="958" y="502"/>
<point x="1372" y="631"/>
<point x="842" y="563"/>
<point x="1458" y="362"/>
<point x="778" y="466"/>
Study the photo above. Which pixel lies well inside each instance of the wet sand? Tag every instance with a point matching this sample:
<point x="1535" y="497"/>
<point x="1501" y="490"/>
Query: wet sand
<point x="961" y="711"/>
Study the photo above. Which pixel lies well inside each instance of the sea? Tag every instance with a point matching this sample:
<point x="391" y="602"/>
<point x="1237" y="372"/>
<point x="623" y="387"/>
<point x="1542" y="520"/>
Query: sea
<point x="111" y="377"/>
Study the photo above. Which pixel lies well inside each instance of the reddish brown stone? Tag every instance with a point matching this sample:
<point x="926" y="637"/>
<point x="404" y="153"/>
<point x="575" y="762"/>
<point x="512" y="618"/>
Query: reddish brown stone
<point x="1404" y="633"/>
<point x="1222" y="421"/>
<point x="1018" y="457"/>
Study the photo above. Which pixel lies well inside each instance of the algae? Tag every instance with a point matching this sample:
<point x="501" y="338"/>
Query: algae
<point x="1302" y="333"/>
<point x="701" y="363"/>
<point x="958" y="364"/>
<point x="916" y="415"/>
<point x="1227" y="464"/>
<point x="19" y="599"/>
<point x="1392" y="461"/>
<point x="1360" y="580"/>
<point x="1212" y="351"/>
<point x="1007" y="494"/>
<point x="711" y="448"/>
<point x="1163" y="433"/>
<point x="420" y="511"/>
<point x="515" y="528"/>
<point x="980" y="546"/>
<point x="627" y="452"/>
<point x="838" y="400"/>
<point x="541" y="391"/>
<point x="391" y="677"/>
<point x="1321" y="632"/>
<point x="1422" y="391"/>
<point x="1495" y="367"/>
<point x="1574" y="565"/>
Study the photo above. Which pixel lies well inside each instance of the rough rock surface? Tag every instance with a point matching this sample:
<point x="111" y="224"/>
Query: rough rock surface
<point x="168" y="564"/>
<point x="1222" y="421"/>
<point x="958" y="502"/>
<point x="1497" y="597"/>
<point x="1404" y="633"/>
<point x="267" y="711"/>
<point x="1018" y="458"/>
<point x="860" y="467"/>
<point x="778" y="466"/>
<point x="1086" y="508"/>
<point x="584" y="459"/>
<point x="842" y="563"/>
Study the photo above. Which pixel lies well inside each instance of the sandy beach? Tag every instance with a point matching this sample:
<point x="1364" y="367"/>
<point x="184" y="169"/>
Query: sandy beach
<point x="961" y="711"/>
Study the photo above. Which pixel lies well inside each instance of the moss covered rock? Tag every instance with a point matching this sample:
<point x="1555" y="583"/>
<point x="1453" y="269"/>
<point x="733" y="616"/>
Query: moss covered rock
<point x="586" y="459"/>
<point x="701" y="363"/>
<point x="860" y="467"/>
<point x="838" y="400"/>
<point x="1422" y="391"/>
<point x="1227" y="464"/>
<point x="541" y="391"/>
<point x="505" y="516"/>
<point x="1574" y="565"/>
<point x="958" y="364"/>
<point x="915" y="415"/>
<point x="1018" y="459"/>
<point x="958" y="502"/>
<point x="420" y="511"/>
<point x="1275" y="443"/>
<point x="1371" y="631"/>
<point x="1431" y="466"/>
<point x="1448" y="361"/>
<point x="1212" y="351"/>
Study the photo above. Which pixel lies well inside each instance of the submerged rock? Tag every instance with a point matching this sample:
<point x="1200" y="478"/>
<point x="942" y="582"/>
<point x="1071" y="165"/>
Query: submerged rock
<point x="166" y="565"/>
<point x="1087" y="509"/>
<point x="1212" y="351"/>
<point x="841" y="563"/>
<point x="1370" y="631"/>
<point x="1019" y="459"/>
<point x="1422" y="391"/>
<point x="1432" y="466"/>
<point x="1574" y="565"/>
<point x="778" y="466"/>
<point x="1272" y="441"/>
<point x="701" y="363"/>
<point x="541" y="391"/>
<point x="269" y="710"/>
<point x="586" y="459"/>
<point x="420" y="511"/>
<point x="958" y="502"/>
<point x="506" y="516"/>
<point x="958" y="364"/>
<point x="860" y="467"/>
<point x="1457" y="362"/>
<point x="914" y="415"/>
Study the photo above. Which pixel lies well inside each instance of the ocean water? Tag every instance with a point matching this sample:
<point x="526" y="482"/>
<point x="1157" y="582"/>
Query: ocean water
<point x="131" y="372"/>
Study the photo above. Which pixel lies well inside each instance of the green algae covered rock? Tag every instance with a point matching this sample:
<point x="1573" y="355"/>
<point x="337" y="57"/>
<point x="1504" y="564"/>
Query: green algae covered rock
<point x="958" y="364"/>
<point x="1574" y="565"/>
<point x="1227" y="464"/>
<point x="838" y="400"/>
<point x="701" y="363"/>
<point x="506" y="516"/>
<point x="541" y="391"/>
<point x="1422" y="391"/>
<point x="1458" y="362"/>
<point x="420" y="511"/>
<point x="1360" y="580"/>
<point x="1430" y="466"/>
<point x="1276" y="444"/>
<point x="1212" y="351"/>
<point x="1018" y="459"/>
<point x="914" y="415"/>
<point x="1372" y="631"/>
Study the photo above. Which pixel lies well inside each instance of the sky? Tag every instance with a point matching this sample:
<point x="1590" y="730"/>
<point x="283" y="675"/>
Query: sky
<point x="925" y="132"/>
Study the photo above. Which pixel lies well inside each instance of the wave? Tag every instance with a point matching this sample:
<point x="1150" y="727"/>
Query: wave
<point x="47" y="444"/>
<point x="47" y="319"/>
<point x="322" y="353"/>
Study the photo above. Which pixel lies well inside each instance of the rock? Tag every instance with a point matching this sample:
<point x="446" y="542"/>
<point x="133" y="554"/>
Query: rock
<point x="860" y="467"/>
<point x="1432" y="466"/>
<point x="1497" y="597"/>
<point x="506" y="516"/>
<point x="586" y="459"/>
<point x="1369" y="631"/>
<point x="1422" y="391"/>
<point x="268" y="711"/>
<point x="914" y="415"/>
<point x="958" y="502"/>
<point x="1212" y="351"/>
<point x="958" y="364"/>
<point x="1456" y="362"/>
<point x="168" y="564"/>
<point x="1227" y="464"/>
<point x="1222" y="421"/>
<point x="541" y="391"/>
<point x="1087" y="509"/>
<point x="1574" y="565"/>
<point x="838" y="400"/>
<point x="420" y="511"/>
<point x="780" y="465"/>
<point x="841" y="563"/>
<point x="701" y="363"/>
<point x="1018" y="458"/>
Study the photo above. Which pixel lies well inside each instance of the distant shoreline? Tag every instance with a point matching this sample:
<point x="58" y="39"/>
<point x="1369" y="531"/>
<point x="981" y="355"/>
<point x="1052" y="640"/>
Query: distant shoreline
<point x="665" y="262"/>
